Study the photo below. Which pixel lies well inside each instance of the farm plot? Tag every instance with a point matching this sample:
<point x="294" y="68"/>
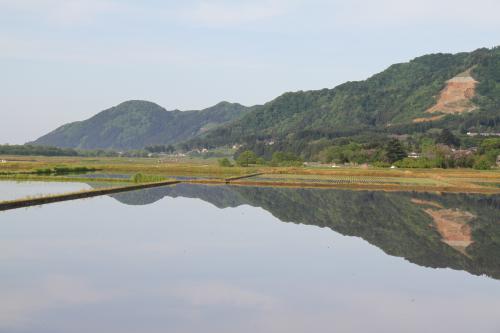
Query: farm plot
<point x="343" y="179"/>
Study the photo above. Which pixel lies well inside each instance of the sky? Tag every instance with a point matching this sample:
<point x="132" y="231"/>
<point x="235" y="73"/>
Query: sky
<point x="66" y="60"/>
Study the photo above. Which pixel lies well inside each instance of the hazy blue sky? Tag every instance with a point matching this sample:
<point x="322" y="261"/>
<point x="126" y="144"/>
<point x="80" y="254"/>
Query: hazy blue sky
<point x="65" y="60"/>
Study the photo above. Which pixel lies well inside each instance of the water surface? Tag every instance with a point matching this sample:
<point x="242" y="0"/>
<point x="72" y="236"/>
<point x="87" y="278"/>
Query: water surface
<point x="193" y="258"/>
<point x="10" y="190"/>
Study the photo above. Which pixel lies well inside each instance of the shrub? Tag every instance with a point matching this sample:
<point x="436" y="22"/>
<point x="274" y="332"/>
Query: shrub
<point x="63" y="170"/>
<point x="482" y="163"/>
<point x="380" y="164"/>
<point x="141" y="178"/>
<point x="286" y="159"/>
<point x="246" y="158"/>
<point x="224" y="162"/>
<point x="43" y="171"/>
<point x="420" y="163"/>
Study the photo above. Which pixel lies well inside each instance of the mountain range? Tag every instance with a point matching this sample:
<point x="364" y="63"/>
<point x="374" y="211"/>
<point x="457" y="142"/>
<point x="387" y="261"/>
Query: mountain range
<point x="460" y="92"/>
<point x="136" y="124"/>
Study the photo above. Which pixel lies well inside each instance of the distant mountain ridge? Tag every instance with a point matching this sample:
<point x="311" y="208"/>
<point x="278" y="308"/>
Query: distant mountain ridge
<point x="455" y="91"/>
<point x="136" y="124"/>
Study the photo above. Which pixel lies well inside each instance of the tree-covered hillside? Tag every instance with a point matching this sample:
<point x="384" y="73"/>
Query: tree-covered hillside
<point x="389" y="103"/>
<point x="396" y="101"/>
<point x="136" y="124"/>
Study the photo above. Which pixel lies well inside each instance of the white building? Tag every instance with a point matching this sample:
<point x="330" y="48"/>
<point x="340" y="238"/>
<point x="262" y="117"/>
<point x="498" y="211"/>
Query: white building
<point x="413" y="155"/>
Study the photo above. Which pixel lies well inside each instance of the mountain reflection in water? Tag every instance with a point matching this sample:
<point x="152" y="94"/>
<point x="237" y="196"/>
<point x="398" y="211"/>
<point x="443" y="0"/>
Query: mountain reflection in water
<point x="458" y="231"/>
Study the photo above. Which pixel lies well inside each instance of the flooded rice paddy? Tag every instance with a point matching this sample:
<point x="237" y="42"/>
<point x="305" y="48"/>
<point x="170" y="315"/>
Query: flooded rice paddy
<point x="195" y="258"/>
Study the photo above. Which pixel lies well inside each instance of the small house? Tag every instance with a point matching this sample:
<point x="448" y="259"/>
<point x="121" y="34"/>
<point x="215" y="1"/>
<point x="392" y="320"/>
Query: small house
<point x="413" y="155"/>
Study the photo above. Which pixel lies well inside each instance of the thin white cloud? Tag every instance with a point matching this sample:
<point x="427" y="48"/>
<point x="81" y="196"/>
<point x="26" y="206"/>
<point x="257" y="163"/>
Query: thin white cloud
<point x="32" y="49"/>
<point x="395" y="12"/>
<point x="230" y="13"/>
<point x="24" y="301"/>
<point x="63" y="11"/>
<point x="77" y="11"/>
<point x="223" y="13"/>
<point x="206" y="12"/>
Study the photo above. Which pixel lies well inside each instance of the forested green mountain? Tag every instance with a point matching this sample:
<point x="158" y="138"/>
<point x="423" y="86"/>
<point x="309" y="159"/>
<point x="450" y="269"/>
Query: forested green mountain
<point x="393" y="101"/>
<point x="136" y="124"/>
<point x="460" y="92"/>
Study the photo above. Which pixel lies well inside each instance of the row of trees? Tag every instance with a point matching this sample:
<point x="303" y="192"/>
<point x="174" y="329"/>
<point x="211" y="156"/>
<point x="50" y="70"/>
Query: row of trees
<point x="169" y="149"/>
<point x="440" y="153"/>
<point x="441" y="150"/>
<point x="357" y="153"/>
<point x="248" y="157"/>
<point x="35" y="150"/>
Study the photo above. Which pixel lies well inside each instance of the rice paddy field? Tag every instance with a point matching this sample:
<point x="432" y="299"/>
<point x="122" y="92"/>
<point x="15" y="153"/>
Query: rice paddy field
<point x="120" y="165"/>
<point x="120" y="170"/>
<point x="344" y="179"/>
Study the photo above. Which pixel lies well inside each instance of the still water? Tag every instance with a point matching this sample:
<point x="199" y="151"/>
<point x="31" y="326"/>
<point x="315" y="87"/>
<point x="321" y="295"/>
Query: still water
<point x="10" y="190"/>
<point x="193" y="258"/>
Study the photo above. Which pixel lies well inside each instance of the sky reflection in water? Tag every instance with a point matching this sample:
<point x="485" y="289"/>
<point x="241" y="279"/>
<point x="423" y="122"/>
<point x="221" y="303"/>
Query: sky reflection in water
<point x="184" y="265"/>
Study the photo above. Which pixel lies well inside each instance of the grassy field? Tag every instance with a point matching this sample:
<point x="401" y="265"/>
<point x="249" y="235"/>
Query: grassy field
<point x="121" y="165"/>
<point x="454" y="180"/>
